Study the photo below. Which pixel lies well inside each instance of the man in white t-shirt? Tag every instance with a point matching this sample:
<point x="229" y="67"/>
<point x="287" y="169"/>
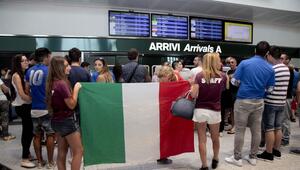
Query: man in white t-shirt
<point x="198" y="66"/>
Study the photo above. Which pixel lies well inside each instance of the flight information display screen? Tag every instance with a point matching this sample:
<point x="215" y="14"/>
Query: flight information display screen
<point x="206" y="29"/>
<point x="134" y="24"/>
<point x="238" y="32"/>
<point x="169" y="26"/>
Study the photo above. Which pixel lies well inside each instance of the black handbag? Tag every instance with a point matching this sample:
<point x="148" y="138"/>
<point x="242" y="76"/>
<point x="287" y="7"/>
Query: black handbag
<point x="183" y="107"/>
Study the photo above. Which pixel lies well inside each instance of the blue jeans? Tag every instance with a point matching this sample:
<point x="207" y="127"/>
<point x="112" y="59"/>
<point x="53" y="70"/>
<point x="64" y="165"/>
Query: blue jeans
<point x="273" y="117"/>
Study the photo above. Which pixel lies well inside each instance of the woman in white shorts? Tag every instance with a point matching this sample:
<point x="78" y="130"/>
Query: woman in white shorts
<point x="207" y="89"/>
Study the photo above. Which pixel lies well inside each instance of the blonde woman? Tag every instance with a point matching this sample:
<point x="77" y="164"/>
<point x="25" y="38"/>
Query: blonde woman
<point x="166" y="74"/>
<point x="207" y="90"/>
<point x="104" y="73"/>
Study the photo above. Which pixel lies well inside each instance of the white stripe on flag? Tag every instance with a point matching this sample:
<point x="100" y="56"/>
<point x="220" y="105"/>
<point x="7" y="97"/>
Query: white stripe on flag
<point x="141" y="104"/>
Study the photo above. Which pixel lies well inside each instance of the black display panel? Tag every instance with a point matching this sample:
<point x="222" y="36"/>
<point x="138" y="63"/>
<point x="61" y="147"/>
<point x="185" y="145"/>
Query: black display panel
<point x="206" y="29"/>
<point x="169" y="26"/>
<point x="133" y="24"/>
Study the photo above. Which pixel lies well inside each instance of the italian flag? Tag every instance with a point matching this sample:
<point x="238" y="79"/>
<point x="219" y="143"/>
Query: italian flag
<point x="125" y="123"/>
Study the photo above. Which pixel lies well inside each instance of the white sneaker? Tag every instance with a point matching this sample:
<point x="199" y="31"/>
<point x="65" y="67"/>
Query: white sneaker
<point x="251" y="161"/>
<point x="27" y="164"/>
<point x="221" y="134"/>
<point x="233" y="161"/>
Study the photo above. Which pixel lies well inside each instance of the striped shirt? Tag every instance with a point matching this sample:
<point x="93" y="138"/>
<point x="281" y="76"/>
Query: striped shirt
<point x="278" y="96"/>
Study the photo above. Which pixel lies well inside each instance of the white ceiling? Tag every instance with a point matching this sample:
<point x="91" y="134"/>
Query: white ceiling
<point x="205" y="8"/>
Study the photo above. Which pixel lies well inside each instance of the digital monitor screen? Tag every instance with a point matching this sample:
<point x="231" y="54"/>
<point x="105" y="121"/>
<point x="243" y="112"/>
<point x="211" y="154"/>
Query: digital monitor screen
<point x="129" y="24"/>
<point x="238" y="32"/>
<point x="206" y="29"/>
<point x="169" y="26"/>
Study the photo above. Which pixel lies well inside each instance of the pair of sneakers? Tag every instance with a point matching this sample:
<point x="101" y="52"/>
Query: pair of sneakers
<point x="50" y="165"/>
<point x="266" y="156"/>
<point x="239" y="162"/>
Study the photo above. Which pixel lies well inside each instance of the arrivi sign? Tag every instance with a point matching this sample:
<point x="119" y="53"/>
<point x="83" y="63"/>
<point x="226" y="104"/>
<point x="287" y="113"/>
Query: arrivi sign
<point x="173" y="47"/>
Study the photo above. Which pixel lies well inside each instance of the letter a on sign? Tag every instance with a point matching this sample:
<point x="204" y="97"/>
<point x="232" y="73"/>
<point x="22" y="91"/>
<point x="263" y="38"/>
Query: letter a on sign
<point x="218" y="50"/>
<point x="152" y="46"/>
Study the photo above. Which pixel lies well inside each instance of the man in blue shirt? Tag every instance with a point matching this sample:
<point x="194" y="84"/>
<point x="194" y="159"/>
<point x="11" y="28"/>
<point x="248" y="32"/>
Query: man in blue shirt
<point x="255" y="77"/>
<point x="77" y="73"/>
<point x="36" y="78"/>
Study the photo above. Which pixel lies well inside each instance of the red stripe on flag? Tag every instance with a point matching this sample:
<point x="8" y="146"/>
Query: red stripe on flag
<point x="176" y="134"/>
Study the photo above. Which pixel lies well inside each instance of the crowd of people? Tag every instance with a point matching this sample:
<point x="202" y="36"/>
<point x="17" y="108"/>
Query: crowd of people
<point x="257" y="94"/>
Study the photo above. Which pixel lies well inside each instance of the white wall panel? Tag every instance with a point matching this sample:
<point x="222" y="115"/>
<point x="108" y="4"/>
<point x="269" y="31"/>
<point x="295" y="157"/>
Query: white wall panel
<point x="276" y="35"/>
<point x="39" y="19"/>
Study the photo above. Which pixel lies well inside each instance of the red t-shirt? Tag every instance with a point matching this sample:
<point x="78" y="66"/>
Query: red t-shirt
<point x="60" y="91"/>
<point x="210" y="93"/>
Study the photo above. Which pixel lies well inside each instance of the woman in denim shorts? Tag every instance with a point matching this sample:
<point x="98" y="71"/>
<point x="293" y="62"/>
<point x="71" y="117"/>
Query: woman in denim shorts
<point x="61" y="102"/>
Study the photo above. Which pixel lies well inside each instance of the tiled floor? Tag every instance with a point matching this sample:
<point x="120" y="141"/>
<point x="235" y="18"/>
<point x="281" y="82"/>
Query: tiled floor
<point x="10" y="155"/>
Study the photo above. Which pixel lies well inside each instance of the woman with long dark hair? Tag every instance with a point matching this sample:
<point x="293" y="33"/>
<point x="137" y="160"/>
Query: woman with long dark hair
<point x="61" y="101"/>
<point x="22" y="102"/>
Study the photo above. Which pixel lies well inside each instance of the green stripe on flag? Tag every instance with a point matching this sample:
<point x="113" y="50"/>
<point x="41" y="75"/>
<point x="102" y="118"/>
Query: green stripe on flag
<point x="102" y="123"/>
